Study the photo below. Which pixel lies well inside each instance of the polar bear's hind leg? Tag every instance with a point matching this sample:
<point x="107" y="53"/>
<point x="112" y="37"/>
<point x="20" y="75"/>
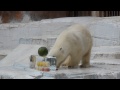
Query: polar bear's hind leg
<point x="86" y="60"/>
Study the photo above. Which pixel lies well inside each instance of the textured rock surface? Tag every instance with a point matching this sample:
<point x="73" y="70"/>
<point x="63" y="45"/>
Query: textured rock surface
<point x="98" y="70"/>
<point x="109" y="52"/>
<point x="4" y="53"/>
<point x="105" y="30"/>
<point x="16" y="66"/>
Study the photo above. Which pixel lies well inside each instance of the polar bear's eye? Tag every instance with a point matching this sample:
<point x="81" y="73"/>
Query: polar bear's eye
<point x="60" y="48"/>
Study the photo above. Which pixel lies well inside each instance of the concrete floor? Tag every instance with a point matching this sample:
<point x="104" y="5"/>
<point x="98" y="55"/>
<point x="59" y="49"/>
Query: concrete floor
<point x="16" y="66"/>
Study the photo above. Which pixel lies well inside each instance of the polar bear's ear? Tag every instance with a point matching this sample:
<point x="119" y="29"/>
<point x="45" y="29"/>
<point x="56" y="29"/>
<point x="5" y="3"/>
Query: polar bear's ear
<point x="60" y="49"/>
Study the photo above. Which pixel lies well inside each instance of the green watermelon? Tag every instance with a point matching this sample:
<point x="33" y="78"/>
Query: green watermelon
<point x="43" y="51"/>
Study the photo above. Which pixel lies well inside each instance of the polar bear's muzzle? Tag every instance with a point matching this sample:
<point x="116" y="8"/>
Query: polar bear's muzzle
<point x="52" y="60"/>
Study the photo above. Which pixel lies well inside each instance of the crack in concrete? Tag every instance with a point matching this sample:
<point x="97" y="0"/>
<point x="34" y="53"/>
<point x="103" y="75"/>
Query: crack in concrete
<point x="101" y="38"/>
<point x="113" y="39"/>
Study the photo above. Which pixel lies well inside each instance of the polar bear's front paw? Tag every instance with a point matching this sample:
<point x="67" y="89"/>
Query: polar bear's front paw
<point x="84" y="66"/>
<point x="64" y="64"/>
<point x="70" y="67"/>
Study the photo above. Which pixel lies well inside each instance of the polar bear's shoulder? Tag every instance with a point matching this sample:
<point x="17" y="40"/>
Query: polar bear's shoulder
<point x="76" y="26"/>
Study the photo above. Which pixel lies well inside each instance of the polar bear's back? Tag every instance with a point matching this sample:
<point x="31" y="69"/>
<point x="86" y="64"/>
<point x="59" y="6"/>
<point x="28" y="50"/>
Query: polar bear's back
<point x="75" y="30"/>
<point x="75" y="35"/>
<point x="76" y="27"/>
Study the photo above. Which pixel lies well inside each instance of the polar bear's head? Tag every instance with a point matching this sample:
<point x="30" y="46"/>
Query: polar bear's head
<point x="59" y="54"/>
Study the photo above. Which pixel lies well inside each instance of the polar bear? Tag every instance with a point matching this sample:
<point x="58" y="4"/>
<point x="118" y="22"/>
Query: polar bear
<point x="73" y="45"/>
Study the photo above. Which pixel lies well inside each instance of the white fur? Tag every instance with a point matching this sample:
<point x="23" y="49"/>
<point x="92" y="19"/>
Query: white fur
<point x="72" y="45"/>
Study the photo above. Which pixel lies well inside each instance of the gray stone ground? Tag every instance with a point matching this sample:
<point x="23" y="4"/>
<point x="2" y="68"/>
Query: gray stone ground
<point x="16" y="66"/>
<point x="98" y="70"/>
